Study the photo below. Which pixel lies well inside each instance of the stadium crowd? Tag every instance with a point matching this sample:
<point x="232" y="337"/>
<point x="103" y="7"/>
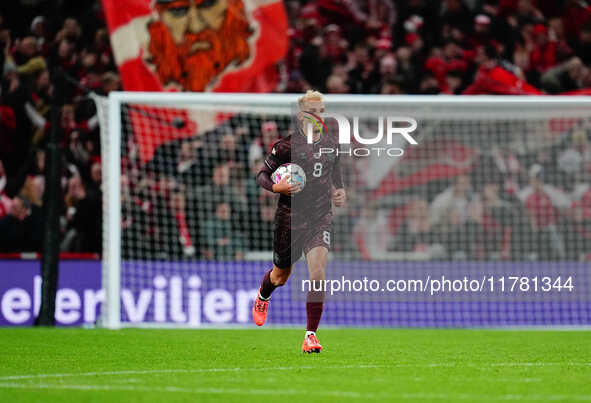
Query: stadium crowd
<point x="537" y="207"/>
<point x="37" y="37"/>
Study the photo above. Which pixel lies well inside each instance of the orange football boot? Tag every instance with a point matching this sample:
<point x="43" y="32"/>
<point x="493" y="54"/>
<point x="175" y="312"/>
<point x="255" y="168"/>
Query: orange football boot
<point x="259" y="311"/>
<point x="311" y="344"/>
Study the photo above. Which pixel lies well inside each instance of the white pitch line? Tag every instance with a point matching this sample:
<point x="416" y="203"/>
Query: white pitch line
<point x="328" y="393"/>
<point x="291" y="368"/>
<point x="498" y="364"/>
<point x="182" y="371"/>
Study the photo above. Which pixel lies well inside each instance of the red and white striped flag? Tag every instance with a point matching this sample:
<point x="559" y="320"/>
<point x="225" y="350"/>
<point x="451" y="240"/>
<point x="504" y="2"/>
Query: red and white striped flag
<point x="197" y="45"/>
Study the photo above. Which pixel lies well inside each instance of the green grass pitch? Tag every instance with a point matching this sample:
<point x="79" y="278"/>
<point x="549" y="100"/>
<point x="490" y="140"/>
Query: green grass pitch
<point x="266" y="365"/>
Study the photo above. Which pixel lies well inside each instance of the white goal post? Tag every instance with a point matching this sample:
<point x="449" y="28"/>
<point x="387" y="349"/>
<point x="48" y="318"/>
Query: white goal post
<point x="528" y="126"/>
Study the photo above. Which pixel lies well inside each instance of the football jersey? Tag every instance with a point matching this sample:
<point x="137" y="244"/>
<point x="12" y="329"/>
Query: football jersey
<point x="322" y="170"/>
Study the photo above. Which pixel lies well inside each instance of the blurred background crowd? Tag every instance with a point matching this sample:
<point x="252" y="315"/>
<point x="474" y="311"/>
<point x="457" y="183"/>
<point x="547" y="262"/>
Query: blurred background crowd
<point x="212" y="205"/>
<point x="455" y="197"/>
<point x="35" y="38"/>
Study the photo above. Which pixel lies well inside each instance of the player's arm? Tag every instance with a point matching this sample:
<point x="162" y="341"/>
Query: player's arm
<point x="272" y="162"/>
<point x="339" y="196"/>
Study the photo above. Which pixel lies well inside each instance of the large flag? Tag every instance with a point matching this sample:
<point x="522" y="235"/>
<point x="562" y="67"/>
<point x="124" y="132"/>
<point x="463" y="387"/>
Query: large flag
<point x="197" y="45"/>
<point x="192" y="45"/>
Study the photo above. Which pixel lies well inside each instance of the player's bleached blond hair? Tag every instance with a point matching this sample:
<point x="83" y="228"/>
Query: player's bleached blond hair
<point x="310" y="95"/>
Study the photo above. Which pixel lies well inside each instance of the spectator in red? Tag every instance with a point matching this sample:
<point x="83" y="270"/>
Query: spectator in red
<point x="494" y="78"/>
<point x="178" y="206"/>
<point x="335" y="45"/>
<point x="547" y="51"/>
<point x="544" y="204"/>
<point x="543" y="56"/>
<point x="442" y="61"/>
<point x="576" y="18"/>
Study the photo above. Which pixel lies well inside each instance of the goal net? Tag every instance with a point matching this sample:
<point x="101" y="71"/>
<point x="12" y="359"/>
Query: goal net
<point x="460" y="211"/>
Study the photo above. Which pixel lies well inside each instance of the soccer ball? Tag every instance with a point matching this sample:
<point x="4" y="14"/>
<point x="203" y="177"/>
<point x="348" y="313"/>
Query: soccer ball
<point x="297" y="174"/>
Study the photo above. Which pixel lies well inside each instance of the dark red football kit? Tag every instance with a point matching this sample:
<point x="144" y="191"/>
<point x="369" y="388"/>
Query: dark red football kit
<point x="303" y="221"/>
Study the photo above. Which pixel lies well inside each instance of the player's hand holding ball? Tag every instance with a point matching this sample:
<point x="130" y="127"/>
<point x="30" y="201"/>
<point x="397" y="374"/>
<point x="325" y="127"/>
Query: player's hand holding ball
<point x="339" y="197"/>
<point x="286" y="187"/>
<point x="288" y="179"/>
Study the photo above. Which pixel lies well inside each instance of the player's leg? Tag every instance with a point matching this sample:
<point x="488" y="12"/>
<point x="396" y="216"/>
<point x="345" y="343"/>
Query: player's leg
<point x="316" y="258"/>
<point x="276" y="277"/>
<point x="283" y="258"/>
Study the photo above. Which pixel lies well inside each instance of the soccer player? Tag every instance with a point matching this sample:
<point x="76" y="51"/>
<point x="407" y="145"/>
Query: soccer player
<point x="304" y="216"/>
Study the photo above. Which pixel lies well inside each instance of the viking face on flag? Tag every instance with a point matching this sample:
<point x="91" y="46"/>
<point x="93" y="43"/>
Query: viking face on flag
<point x="192" y="45"/>
<point x="196" y="40"/>
<point x="197" y="45"/>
